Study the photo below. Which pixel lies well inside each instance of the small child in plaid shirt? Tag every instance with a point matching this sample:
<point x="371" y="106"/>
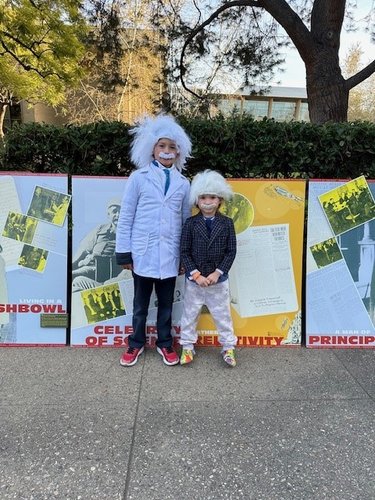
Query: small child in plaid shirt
<point x="208" y="249"/>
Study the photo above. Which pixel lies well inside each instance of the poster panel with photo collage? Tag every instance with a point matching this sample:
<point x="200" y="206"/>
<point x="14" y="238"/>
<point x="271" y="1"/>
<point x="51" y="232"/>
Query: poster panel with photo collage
<point x="265" y="279"/>
<point x="340" y="258"/>
<point x="101" y="290"/>
<point x="33" y="259"/>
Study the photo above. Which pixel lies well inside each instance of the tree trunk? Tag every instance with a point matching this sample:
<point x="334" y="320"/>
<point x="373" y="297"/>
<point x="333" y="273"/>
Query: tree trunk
<point x="3" y="108"/>
<point x="327" y="91"/>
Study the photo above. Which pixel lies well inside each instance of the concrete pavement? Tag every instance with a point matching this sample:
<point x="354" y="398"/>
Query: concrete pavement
<point x="286" y="423"/>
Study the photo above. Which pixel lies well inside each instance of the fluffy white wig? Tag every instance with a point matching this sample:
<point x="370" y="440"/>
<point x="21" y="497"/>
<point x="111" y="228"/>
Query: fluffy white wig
<point x="209" y="182"/>
<point x="147" y="133"/>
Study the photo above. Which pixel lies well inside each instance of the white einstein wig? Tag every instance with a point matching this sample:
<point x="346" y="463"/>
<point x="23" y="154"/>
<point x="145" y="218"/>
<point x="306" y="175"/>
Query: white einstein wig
<point x="147" y="133"/>
<point x="209" y="182"/>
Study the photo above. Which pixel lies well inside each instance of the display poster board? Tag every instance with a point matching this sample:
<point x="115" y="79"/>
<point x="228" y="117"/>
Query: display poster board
<point x="265" y="279"/>
<point x="101" y="306"/>
<point x="266" y="276"/>
<point x="340" y="257"/>
<point x="33" y="259"/>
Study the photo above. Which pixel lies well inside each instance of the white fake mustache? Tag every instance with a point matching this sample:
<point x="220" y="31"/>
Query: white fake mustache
<point x="167" y="156"/>
<point x="208" y="206"/>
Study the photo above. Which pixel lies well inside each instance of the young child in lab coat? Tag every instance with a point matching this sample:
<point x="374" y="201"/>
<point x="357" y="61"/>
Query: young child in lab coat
<point x="154" y="207"/>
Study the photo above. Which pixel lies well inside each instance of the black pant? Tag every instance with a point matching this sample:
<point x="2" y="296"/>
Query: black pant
<point x="142" y="292"/>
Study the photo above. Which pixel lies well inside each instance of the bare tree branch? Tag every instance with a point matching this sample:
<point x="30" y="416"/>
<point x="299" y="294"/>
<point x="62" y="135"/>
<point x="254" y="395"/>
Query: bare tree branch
<point x="97" y="109"/>
<point x="298" y="32"/>
<point x="199" y="11"/>
<point x="193" y="34"/>
<point x="360" y="76"/>
<point x="280" y="10"/>
<point x="34" y="5"/>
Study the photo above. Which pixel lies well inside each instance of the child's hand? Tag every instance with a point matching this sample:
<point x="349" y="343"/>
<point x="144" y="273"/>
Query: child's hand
<point x="213" y="278"/>
<point x="181" y="270"/>
<point x="129" y="267"/>
<point x="202" y="281"/>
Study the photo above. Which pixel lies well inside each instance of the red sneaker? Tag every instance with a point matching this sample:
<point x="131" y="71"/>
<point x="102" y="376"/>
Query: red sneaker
<point x="130" y="356"/>
<point x="170" y="357"/>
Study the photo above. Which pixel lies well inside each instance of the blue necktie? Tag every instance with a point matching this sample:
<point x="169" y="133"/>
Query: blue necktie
<point x="167" y="179"/>
<point x="209" y="223"/>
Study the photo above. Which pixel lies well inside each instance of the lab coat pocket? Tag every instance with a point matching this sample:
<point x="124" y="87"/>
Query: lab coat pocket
<point x="140" y="244"/>
<point x="174" y="203"/>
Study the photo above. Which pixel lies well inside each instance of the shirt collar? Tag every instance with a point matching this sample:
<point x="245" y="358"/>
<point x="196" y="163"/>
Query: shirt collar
<point x="157" y="164"/>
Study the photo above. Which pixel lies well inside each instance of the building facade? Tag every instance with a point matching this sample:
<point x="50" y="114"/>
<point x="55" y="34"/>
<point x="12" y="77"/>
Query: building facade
<point x="279" y="103"/>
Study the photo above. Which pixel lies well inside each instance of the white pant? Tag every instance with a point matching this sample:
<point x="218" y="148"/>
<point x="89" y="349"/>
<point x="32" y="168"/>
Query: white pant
<point x="216" y="298"/>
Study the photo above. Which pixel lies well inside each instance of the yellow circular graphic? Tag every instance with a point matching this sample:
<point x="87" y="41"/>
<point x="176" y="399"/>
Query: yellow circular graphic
<point x="240" y="210"/>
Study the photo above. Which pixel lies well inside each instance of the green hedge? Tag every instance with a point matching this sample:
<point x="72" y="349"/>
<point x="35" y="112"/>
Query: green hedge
<point x="238" y="147"/>
<point x="95" y="149"/>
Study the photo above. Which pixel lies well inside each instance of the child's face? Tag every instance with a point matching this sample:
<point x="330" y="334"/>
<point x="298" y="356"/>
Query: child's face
<point x="165" y="152"/>
<point x="208" y="204"/>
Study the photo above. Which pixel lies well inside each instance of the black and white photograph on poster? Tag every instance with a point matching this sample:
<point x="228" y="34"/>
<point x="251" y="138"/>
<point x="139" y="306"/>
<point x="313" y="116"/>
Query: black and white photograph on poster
<point x="33" y="258"/>
<point x="326" y="252"/>
<point x="94" y="261"/>
<point x="102" y="303"/>
<point x="348" y="205"/>
<point x="20" y="227"/>
<point x="49" y="206"/>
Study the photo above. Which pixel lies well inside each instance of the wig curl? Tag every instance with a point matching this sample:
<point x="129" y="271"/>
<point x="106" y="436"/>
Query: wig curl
<point x="209" y="182"/>
<point x="149" y="130"/>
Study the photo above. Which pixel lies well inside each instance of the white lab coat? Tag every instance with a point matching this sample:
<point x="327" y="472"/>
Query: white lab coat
<point x="150" y="222"/>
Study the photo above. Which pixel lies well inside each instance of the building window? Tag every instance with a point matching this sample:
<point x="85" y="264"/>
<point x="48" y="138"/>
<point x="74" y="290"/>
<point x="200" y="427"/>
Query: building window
<point x="228" y="106"/>
<point x="304" y="112"/>
<point x="277" y="107"/>
<point x="283" y="111"/>
<point x="257" y="109"/>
